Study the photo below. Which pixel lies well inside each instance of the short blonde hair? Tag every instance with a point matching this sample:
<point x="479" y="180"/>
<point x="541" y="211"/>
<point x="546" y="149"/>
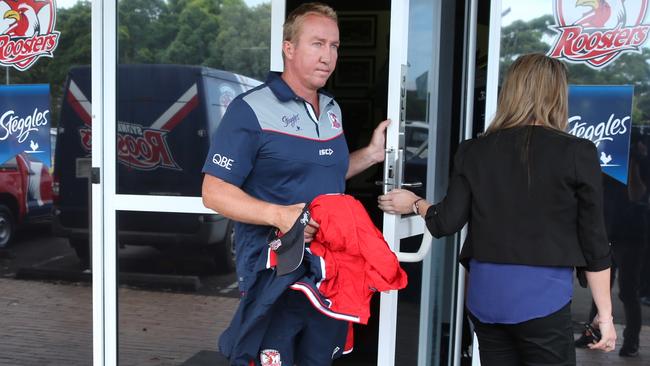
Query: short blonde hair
<point x="534" y="92"/>
<point x="293" y="23"/>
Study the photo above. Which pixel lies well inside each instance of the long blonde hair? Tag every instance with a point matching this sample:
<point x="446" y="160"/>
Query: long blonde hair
<point x="534" y="92"/>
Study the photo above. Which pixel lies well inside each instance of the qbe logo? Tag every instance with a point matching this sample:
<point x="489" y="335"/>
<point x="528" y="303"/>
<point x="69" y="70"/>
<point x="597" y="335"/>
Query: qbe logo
<point x="222" y="161"/>
<point x="596" y="32"/>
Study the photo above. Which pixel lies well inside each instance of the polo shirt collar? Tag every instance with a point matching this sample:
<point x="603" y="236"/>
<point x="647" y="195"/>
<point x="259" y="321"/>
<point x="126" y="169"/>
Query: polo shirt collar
<point x="284" y="93"/>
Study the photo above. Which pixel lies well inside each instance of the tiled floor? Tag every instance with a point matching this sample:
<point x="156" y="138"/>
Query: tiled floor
<point x="51" y="324"/>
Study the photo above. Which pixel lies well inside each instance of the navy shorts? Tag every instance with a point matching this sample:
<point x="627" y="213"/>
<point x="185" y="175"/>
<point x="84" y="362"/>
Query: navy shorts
<point x="301" y="335"/>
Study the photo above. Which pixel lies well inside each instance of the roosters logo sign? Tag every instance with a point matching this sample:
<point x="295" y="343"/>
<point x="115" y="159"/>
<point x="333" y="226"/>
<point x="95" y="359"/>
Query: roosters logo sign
<point x="596" y="32"/>
<point x="139" y="146"/>
<point x="26" y="32"/>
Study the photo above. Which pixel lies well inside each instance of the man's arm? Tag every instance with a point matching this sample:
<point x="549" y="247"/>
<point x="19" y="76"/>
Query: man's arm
<point x="232" y="202"/>
<point x="370" y="155"/>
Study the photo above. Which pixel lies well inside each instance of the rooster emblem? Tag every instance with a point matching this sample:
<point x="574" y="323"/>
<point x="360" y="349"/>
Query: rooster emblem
<point x="26" y="32"/>
<point x="26" y="18"/>
<point x="597" y="32"/>
<point x="605" y="158"/>
<point x="604" y="14"/>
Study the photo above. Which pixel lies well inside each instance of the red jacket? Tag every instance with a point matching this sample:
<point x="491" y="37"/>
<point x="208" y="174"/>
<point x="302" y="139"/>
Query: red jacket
<point x="357" y="259"/>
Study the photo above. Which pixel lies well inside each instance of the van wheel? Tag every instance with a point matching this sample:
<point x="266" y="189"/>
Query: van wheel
<point x="80" y="247"/>
<point x="7" y="226"/>
<point x="224" y="257"/>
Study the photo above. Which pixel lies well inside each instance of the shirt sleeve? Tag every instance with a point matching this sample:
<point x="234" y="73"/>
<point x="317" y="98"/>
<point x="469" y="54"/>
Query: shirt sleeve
<point x="234" y="145"/>
<point x="449" y="215"/>
<point x="591" y="222"/>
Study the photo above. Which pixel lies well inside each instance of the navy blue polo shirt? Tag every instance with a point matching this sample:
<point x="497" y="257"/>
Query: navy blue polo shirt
<point x="271" y="144"/>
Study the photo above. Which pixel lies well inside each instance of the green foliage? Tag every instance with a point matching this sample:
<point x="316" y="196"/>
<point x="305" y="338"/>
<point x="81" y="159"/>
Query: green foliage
<point x="536" y="35"/>
<point x="222" y="34"/>
<point x="242" y="43"/>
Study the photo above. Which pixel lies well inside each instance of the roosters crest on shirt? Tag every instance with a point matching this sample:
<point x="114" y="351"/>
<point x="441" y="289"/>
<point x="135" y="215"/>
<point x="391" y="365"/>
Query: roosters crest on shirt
<point x="596" y="32"/>
<point x="27" y="32"/>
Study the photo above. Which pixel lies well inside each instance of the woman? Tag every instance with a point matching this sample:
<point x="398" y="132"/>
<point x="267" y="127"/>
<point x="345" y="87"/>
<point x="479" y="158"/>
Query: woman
<point x="532" y="197"/>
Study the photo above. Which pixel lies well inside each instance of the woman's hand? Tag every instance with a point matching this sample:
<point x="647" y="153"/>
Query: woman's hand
<point x="607" y="341"/>
<point x="397" y="201"/>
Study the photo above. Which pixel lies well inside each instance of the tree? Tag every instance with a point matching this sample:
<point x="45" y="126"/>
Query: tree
<point x="198" y="25"/>
<point x="144" y="30"/>
<point x="242" y="44"/>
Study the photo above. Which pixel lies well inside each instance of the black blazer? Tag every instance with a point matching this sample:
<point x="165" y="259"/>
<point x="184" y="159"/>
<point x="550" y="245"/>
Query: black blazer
<point x="531" y="195"/>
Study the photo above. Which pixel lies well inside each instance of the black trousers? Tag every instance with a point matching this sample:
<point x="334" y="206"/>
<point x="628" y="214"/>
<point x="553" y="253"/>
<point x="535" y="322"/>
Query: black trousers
<point x="541" y="341"/>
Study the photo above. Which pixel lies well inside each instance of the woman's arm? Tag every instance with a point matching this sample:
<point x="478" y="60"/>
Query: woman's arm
<point x="593" y="240"/>
<point x="444" y="218"/>
<point x="600" y="291"/>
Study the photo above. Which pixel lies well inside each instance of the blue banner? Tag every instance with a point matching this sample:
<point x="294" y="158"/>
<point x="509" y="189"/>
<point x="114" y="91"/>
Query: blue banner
<point x="25" y="122"/>
<point x="603" y="114"/>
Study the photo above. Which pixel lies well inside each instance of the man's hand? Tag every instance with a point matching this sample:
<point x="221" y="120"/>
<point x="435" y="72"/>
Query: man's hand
<point x="377" y="144"/>
<point x="370" y="155"/>
<point x="287" y="216"/>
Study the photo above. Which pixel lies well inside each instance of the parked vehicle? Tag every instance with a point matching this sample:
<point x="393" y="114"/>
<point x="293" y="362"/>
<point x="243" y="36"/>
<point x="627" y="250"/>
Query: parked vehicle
<point x="25" y="195"/>
<point x="166" y="115"/>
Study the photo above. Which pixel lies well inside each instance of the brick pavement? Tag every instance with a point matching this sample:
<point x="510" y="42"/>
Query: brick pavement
<point x="50" y="324"/>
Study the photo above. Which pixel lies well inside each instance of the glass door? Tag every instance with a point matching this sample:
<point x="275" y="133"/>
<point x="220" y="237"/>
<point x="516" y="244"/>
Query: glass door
<point x="430" y="100"/>
<point x="163" y="74"/>
<point x="390" y="62"/>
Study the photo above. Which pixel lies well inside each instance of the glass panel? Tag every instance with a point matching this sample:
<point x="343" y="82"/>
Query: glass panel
<point x="180" y="64"/>
<point x="425" y="307"/>
<point x="174" y="300"/>
<point x="534" y="27"/>
<point x="46" y="288"/>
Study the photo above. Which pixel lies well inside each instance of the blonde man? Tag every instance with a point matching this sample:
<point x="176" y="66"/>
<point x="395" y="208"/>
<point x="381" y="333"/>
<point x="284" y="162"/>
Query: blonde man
<point x="278" y="147"/>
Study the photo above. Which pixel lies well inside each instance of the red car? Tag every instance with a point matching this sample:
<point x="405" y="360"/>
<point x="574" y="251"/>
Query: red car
<point x="25" y="195"/>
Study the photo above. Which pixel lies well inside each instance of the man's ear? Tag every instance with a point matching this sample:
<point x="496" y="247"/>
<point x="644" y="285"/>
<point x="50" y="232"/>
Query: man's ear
<point x="288" y="49"/>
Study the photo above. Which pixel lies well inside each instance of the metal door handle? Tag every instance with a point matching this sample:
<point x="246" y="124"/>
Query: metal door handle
<point x="412" y="185"/>
<point x="421" y="253"/>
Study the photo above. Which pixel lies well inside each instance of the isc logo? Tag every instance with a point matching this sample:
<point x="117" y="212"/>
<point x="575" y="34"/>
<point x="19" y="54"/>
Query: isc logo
<point x="222" y="161"/>
<point x="322" y="152"/>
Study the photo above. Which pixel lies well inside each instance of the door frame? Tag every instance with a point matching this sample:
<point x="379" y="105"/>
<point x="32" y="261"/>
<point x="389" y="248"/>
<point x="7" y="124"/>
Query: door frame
<point x="107" y="202"/>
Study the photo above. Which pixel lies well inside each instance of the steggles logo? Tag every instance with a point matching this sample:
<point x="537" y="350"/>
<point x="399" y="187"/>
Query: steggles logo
<point x="27" y="32"/>
<point x="596" y="32"/>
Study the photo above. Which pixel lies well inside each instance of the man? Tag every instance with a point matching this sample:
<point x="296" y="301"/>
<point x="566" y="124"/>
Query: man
<point x="278" y="146"/>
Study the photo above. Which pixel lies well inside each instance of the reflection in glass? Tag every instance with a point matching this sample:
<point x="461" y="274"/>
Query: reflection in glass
<point x="46" y="289"/>
<point x="180" y="65"/>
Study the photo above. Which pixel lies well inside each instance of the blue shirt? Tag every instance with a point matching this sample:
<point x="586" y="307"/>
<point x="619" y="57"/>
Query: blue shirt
<point x="271" y="144"/>
<point x="513" y="293"/>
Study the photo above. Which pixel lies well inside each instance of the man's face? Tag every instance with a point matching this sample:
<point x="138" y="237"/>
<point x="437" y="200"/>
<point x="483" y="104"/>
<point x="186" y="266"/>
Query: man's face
<point x="312" y="56"/>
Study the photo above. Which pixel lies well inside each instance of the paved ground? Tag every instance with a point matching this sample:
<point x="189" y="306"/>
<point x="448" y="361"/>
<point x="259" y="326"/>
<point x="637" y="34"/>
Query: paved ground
<point x="50" y="324"/>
